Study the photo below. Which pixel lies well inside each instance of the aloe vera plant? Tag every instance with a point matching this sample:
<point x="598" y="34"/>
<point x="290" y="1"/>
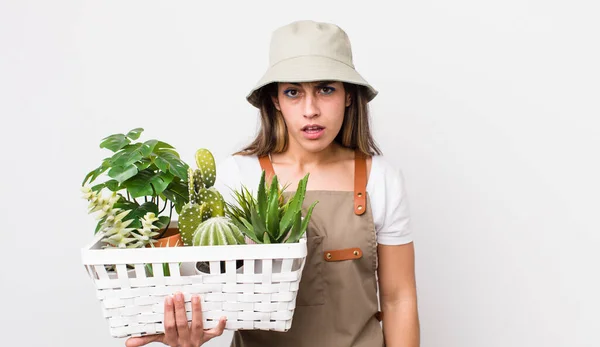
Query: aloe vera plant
<point x="268" y="218"/>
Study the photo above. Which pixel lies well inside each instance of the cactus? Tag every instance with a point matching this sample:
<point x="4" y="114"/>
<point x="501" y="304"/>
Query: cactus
<point x="217" y="231"/>
<point x="205" y="203"/>
<point x="206" y="164"/>
<point x="190" y="217"/>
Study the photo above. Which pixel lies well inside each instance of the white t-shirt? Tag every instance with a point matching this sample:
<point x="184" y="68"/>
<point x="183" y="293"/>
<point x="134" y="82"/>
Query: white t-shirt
<point x="385" y="189"/>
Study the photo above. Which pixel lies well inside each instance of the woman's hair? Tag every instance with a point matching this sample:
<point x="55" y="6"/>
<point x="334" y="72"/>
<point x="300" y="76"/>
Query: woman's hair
<point x="272" y="136"/>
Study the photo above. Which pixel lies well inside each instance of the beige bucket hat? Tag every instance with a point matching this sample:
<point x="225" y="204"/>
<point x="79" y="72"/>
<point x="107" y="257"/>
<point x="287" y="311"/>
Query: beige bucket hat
<point x="305" y="51"/>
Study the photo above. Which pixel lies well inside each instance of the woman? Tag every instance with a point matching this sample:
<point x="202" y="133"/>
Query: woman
<point x="314" y="118"/>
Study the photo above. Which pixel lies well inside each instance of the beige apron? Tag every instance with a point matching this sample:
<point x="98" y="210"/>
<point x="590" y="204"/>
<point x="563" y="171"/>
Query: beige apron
<point x="337" y="300"/>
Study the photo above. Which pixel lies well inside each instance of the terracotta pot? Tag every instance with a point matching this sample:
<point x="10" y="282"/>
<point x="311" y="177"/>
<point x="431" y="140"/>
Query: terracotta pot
<point x="171" y="238"/>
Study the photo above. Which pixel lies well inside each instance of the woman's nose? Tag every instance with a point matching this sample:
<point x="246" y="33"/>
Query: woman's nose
<point x="311" y="106"/>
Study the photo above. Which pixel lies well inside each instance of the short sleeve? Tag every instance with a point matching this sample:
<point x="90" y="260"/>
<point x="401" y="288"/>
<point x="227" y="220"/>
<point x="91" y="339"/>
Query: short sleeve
<point x="228" y="178"/>
<point x="389" y="201"/>
<point x="236" y="171"/>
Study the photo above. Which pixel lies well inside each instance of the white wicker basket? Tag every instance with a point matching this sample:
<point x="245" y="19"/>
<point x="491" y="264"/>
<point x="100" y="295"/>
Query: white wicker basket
<point x="259" y="296"/>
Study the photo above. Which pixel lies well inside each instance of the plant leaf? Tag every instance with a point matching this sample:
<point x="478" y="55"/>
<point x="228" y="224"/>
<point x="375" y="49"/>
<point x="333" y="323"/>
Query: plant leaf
<point x="113" y="185"/>
<point x="262" y="197"/>
<point x="169" y="162"/>
<point x="99" y="225"/>
<point x="127" y="156"/>
<point x="266" y="238"/>
<point x="114" y="142"/>
<point x="176" y="192"/>
<point x="140" y="211"/>
<point x="306" y="219"/>
<point x="135" y="133"/>
<point x="162" y="222"/>
<point x="258" y="223"/>
<point x="92" y="175"/>
<point x="148" y="147"/>
<point x="273" y="209"/>
<point x="143" y="164"/>
<point x="122" y="174"/>
<point x="296" y="226"/>
<point x="295" y="204"/>
<point x="144" y="181"/>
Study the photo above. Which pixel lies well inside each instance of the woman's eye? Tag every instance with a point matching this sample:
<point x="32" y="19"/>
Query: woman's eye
<point x="327" y="90"/>
<point x="291" y="93"/>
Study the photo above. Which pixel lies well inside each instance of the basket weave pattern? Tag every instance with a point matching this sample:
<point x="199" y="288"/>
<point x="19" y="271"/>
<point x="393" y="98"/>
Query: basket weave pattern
<point x="261" y="295"/>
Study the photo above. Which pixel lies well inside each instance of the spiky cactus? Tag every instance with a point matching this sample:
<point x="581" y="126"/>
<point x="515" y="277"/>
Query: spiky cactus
<point x="217" y="231"/>
<point x="206" y="203"/>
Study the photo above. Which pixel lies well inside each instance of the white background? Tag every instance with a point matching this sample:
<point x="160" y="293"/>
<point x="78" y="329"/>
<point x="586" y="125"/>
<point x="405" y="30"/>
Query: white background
<point x="489" y="108"/>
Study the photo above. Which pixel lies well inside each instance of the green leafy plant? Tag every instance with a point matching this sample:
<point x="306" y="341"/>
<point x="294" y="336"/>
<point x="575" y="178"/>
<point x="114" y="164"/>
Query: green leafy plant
<point x="140" y="177"/>
<point x="268" y="218"/>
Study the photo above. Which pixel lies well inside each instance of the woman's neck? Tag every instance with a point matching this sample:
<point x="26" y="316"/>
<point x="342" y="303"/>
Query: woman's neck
<point x="297" y="156"/>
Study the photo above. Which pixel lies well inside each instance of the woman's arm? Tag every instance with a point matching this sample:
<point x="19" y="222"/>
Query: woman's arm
<point x="398" y="295"/>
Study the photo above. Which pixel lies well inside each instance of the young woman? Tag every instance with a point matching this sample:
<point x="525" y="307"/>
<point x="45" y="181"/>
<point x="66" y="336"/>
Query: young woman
<point x="314" y="119"/>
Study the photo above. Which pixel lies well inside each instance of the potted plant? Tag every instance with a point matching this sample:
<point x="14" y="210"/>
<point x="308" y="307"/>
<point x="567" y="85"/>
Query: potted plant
<point x="144" y="182"/>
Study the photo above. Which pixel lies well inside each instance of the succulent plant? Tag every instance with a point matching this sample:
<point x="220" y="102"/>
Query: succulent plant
<point x="117" y="230"/>
<point x="268" y="218"/>
<point x="202" y="221"/>
<point x="217" y="231"/>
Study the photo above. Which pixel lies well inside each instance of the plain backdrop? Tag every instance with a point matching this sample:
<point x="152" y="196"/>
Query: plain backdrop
<point x="490" y="109"/>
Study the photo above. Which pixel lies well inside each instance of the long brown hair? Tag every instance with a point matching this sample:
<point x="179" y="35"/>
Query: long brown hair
<point x="272" y="136"/>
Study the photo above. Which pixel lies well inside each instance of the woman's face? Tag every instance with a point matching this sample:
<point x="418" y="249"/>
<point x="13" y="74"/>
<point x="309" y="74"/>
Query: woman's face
<point x="313" y="112"/>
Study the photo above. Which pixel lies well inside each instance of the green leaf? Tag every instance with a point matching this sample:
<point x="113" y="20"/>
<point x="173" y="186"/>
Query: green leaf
<point x="168" y="162"/>
<point x="98" y="187"/>
<point x="244" y="230"/>
<point x="127" y="156"/>
<point x="296" y="227"/>
<point x="122" y="174"/>
<point x="250" y="230"/>
<point x="99" y="225"/>
<point x="143" y="164"/>
<point x="140" y="211"/>
<point x="295" y="204"/>
<point x="258" y="223"/>
<point x="148" y="147"/>
<point x="114" y="142"/>
<point x="262" y="197"/>
<point x="306" y="219"/>
<point x="273" y="209"/>
<point x="162" y="222"/>
<point x="142" y="184"/>
<point x="97" y="172"/>
<point x="177" y="193"/>
<point x="266" y="238"/>
<point x="135" y="133"/>
<point x="113" y="185"/>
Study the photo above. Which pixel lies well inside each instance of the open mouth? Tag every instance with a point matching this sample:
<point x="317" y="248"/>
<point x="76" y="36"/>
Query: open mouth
<point x="312" y="129"/>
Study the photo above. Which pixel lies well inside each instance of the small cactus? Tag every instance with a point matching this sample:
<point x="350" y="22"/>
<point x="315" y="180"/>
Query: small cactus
<point x="205" y="203"/>
<point x="217" y="231"/>
<point x="190" y="217"/>
<point x="206" y="164"/>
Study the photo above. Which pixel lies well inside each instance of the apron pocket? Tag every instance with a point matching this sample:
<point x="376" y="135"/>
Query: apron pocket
<point x="312" y="285"/>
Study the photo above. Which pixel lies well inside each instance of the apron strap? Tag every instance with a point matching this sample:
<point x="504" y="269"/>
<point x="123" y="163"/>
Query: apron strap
<point x="267" y="166"/>
<point x="360" y="178"/>
<point x="360" y="182"/>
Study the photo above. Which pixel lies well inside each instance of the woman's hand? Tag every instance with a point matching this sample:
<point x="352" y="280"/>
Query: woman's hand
<point x="178" y="333"/>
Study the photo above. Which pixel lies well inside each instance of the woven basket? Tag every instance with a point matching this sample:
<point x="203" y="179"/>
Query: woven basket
<point x="259" y="296"/>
